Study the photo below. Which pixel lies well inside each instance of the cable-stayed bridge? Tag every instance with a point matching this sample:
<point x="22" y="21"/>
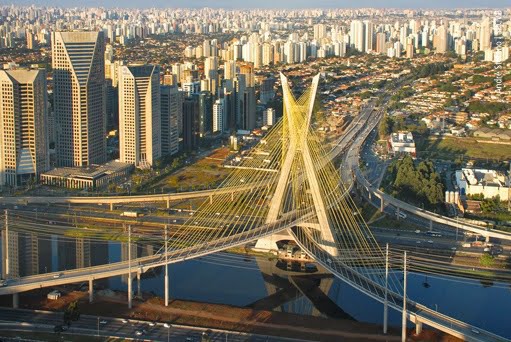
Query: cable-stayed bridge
<point x="286" y="188"/>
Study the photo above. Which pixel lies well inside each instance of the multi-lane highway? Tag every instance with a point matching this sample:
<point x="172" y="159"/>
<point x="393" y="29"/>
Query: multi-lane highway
<point x="46" y="321"/>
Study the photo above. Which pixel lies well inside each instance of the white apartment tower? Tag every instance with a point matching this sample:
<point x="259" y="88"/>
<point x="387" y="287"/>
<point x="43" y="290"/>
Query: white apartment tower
<point x="23" y="126"/>
<point x="139" y="115"/>
<point x="218" y="115"/>
<point x="78" y="60"/>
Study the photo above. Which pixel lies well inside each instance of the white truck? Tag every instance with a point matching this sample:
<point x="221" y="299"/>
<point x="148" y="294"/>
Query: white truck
<point x="131" y="214"/>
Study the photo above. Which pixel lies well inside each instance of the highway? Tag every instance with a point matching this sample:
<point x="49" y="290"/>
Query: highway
<point x="45" y="321"/>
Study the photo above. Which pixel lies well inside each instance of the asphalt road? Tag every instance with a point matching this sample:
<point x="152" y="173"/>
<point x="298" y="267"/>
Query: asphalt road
<point x="44" y="321"/>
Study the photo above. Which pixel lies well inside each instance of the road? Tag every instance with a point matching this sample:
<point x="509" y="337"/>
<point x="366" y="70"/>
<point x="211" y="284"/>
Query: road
<point x="45" y="321"/>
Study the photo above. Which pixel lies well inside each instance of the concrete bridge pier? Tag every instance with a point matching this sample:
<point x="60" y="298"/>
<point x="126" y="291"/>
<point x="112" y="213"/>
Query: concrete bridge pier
<point x="130" y="291"/>
<point x="418" y="328"/>
<point x="15" y="300"/>
<point x="139" y="290"/>
<point x="487" y="238"/>
<point x="168" y="203"/>
<point x="232" y="196"/>
<point x="430" y="225"/>
<point x="111" y="206"/>
<point x="210" y="199"/>
<point x="91" y="290"/>
<point x="397" y="213"/>
<point x="382" y="204"/>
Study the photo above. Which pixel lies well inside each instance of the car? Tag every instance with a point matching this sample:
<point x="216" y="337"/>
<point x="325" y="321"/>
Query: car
<point x="138" y="333"/>
<point x="418" y="241"/>
<point x="3" y="282"/>
<point x="103" y="322"/>
<point x="430" y="241"/>
<point x="124" y="321"/>
<point x="152" y="324"/>
<point x="475" y="331"/>
<point x="418" y="231"/>
<point x="166" y="325"/>
<point x="174" y="221"/>
<point x="58" y="275"/>
<point x="453" y="248"/>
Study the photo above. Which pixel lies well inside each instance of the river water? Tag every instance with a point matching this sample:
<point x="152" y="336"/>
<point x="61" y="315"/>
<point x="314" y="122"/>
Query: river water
<point x="241" y="280"/>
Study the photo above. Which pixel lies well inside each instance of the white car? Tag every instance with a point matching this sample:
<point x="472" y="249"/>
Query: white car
<point x="152" y="324"/>
<point x="58" y="275"/>
<point x="138" y="333"/>
<point x="124" y="321"/>
<point x="166" y="325"/>
<point x="103" y="322"/>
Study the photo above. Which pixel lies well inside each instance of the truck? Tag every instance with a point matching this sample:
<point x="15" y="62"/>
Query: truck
<point x="131" y="214"/>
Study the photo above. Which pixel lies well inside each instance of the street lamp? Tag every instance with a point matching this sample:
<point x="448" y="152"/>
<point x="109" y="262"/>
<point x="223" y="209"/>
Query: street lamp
<point x="168" y="326"/>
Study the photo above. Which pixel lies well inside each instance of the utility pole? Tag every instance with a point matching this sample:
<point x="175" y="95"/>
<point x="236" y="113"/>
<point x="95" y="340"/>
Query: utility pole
<point x="403" y="319"/>
<point x="509" y="188"/>
<point x="6" y="243"/>
<point x="129" y="268"/>
<point x="166" y="270"/>
<point x="386" y="303"/>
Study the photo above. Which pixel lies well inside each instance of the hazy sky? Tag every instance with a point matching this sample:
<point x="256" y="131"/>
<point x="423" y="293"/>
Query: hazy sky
<point x="269" y="3"/>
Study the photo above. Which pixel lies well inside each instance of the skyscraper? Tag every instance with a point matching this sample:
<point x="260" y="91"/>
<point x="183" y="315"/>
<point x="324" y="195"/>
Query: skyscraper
<point x="357" y="35"/>
<point x="190" y="124"/>
<point x="485" y="34"/>
<point x="23" y="126"/>
<point x="171" y="110"/>
<point x="218" y="116"/>
<point x="79" y="97"/>
<point x="369" y="33"/>
<point x="139" y="115"/>
<point x="440" y="41"/>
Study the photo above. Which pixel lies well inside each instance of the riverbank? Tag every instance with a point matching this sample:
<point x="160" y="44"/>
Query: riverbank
<point x="150" y="308"/>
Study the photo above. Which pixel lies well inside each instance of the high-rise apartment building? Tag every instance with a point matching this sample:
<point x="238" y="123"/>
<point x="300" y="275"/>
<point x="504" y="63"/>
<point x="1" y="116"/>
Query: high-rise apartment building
<point x="369" y="33"/>
<point x="79" y="97"/>
<point x="485" y="34"/>
<point x="218" y="116"/>
<point x="171" y="110"/>
<point x="139" y="115"/>
<point x="190" y="124"/>
<point x="440" y="41"/>
<point x="357" y="35"/>
<point x="23" y="126"/>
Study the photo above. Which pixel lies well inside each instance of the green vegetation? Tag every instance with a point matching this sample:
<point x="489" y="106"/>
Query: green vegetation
<point x="478" y="79"/>
<point x="72" y="313"/>
<point x="448" y="87"/>
<point x="386" y="127"/>
<point x="431" y="69"/>
<point x="488" y="107"/>
<point x="417" y="184"/>
<point x="452" y="147"/>
<point x="486" y="260"/>
<point x="493" y="209"/>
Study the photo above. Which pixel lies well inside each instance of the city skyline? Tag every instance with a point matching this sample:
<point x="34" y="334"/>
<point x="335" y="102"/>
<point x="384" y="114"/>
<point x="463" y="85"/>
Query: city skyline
<point x="267" y="4"/>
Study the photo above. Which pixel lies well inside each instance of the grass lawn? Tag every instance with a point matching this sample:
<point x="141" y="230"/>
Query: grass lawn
<point x="452" y="147"/>
<point x="205" y="172"/>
